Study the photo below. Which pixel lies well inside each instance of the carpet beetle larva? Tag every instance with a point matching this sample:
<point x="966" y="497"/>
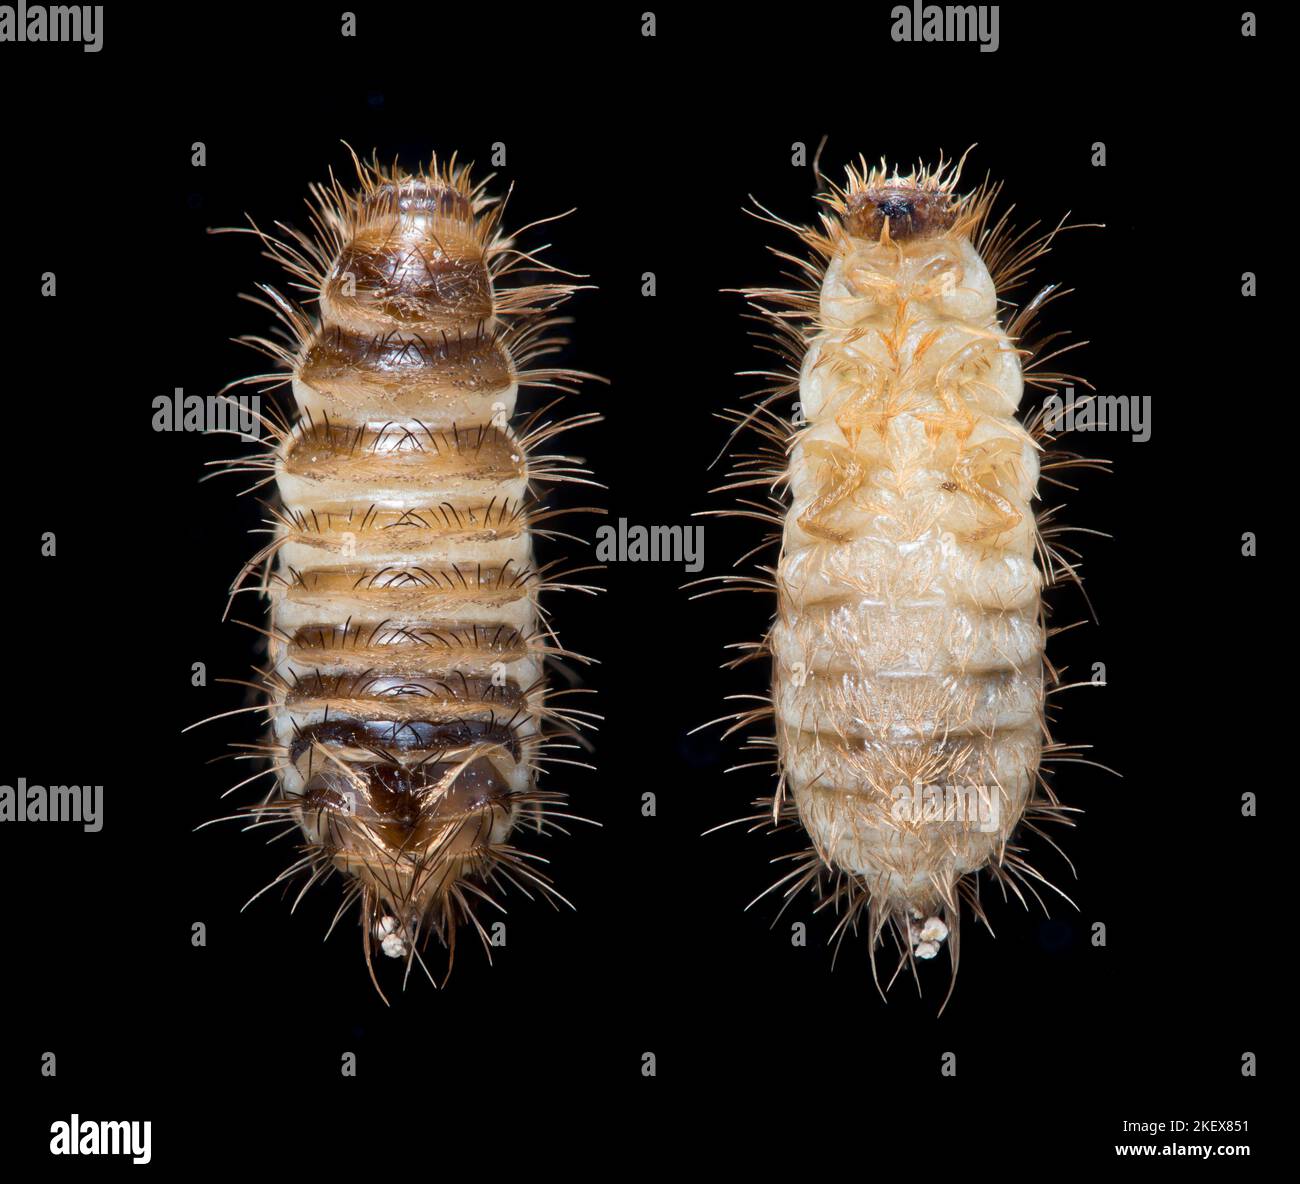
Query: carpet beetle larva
<point x="908" y="677"/>
<point x="405" y="675"/>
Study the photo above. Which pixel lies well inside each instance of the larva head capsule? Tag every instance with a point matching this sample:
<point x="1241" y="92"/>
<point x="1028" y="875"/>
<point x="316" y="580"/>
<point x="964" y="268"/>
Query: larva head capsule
<point x="905" y="211"/>
<point x="883" y="206"/>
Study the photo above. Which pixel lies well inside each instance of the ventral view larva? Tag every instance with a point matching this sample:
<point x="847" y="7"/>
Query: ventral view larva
<point x="910" y="689"/>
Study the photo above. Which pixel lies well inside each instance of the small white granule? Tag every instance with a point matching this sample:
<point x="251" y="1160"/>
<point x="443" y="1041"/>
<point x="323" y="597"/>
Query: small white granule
<point x="934" y="930"/>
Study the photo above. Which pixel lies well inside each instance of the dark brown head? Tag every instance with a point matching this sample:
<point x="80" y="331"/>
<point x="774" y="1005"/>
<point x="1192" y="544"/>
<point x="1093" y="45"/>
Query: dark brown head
<point x="910" y="212"/>
<point x="919" y="205"/>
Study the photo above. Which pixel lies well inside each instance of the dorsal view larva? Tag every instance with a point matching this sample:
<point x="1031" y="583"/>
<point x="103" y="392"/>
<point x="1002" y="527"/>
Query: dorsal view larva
<point x="406" y="647"/>
<point x="908" y="674"/>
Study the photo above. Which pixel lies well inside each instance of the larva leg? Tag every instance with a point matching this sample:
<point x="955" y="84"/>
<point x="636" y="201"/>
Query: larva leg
<point x="976" y="475"/>
<point x="845" y="476"/>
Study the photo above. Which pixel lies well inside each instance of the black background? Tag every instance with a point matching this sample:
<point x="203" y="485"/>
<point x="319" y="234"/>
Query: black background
<point x="657" y="143"/>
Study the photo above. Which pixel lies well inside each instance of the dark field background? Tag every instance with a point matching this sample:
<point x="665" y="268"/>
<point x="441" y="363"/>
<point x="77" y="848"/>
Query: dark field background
<point x="657" y="143"/>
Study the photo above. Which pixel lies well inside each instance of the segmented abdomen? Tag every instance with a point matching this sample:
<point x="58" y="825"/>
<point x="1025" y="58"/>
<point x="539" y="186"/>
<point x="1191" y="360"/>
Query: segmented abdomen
<point x="408" y="698"/>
